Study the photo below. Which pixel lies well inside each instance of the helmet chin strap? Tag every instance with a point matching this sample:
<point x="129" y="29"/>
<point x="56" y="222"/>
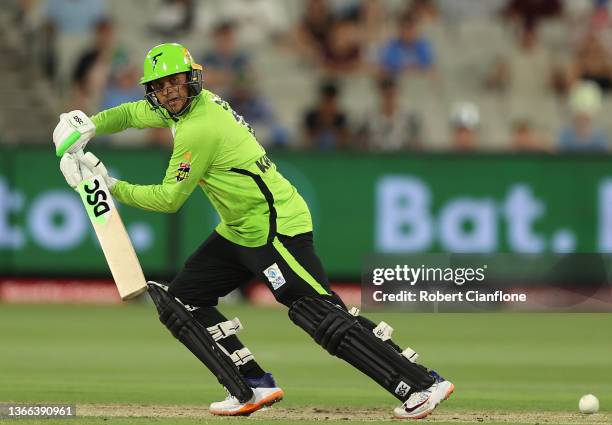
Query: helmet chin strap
<point x="174" y="115"/>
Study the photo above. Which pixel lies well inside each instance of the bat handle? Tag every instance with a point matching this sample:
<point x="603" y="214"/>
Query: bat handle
<point x="85" y="172"/>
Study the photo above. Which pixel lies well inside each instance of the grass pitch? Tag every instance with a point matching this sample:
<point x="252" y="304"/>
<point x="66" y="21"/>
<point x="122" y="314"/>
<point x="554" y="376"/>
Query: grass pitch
<point x="121" y="366"/>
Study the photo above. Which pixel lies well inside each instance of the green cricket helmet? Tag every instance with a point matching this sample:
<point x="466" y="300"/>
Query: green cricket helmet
<point x="169" y="59"/>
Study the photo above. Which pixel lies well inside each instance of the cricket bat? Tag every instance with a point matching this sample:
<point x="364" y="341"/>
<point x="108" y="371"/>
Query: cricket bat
<point x="113" y="237"/>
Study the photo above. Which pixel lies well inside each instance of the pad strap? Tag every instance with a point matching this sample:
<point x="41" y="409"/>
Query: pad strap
<point x="225" y="329"/>
<point x="242" y="356"/>
<point x="383" y="331"/>
<point x="410" y="354"/>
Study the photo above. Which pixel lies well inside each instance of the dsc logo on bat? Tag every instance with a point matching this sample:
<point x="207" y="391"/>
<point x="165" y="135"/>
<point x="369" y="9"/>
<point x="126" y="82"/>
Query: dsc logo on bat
<point x="96" y="197"/>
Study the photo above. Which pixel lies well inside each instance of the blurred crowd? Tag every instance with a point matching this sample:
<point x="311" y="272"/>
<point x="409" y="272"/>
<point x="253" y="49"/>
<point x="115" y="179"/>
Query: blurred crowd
<point x="405" y="50"/>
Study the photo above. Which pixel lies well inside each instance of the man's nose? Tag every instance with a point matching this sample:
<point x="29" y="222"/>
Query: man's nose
<point x="168" y="87"/>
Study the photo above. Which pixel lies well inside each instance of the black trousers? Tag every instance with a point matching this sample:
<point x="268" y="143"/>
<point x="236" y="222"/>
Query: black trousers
<point x="288" y="265"/>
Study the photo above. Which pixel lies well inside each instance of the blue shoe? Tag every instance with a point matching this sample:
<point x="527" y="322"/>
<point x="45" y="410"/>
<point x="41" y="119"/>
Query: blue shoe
<point x="265" y="381"/>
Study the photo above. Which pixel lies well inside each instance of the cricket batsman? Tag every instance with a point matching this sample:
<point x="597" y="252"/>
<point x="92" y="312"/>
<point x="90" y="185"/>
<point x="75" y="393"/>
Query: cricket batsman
<point x="265" y="232"/>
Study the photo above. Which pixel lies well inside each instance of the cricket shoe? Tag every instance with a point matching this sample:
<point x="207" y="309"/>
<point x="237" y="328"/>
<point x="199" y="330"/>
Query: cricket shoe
<point x="265" y="393"/>
<point x="422" y="403"/>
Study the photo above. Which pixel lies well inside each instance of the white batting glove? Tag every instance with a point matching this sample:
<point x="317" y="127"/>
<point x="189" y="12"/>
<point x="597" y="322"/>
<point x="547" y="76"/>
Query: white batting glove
<point x="72" y="132"/>
<point x="69" y="166"/>
<point x="91" y="162"/>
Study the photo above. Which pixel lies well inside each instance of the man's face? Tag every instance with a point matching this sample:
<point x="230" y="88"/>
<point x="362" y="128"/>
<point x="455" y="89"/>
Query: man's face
<point x="225" y="41"/>
<point x="464" y="138"/>
<point x="172" y="92"/>
<point x="408" y="31"/>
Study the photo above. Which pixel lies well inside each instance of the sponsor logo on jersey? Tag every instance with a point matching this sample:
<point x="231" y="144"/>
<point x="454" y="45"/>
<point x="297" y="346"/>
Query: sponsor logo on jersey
<point x="274" y="276"/>
<point x="183" y="171"/>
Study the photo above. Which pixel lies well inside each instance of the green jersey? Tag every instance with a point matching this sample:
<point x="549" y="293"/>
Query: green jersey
<point x="214" y="148"/>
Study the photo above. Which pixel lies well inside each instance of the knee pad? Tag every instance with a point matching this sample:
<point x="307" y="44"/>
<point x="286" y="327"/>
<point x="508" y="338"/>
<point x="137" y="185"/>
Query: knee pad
<point x="184" y="327"/>
<point x="343" y="336"/>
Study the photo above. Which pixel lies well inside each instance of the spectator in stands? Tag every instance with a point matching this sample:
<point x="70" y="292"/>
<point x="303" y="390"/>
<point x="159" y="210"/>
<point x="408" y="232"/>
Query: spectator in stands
<point x="390" y="127"/>
<point x="38" y="36"/>
<point x="526" y="15"/>
<point x="123" y="87"/>
<point x="464" y="123"/>
<point x="247" y="102"/>
<point x="592" y="61"/>
<point x="525" y="75"/>
<point x="342" y="51"/>
<point x="524" y="137"/>
<point x="225" y="63"/>
<point x="326" y="125"/>
<point x="581" y="134"/>
<point x="70" y="23"/>
<point x="526" y="70"/>
<point x="408" y="52"/>
<point x="174" y="18"/>
<point x="312" y="33"/>
<point x="93" y="68"/>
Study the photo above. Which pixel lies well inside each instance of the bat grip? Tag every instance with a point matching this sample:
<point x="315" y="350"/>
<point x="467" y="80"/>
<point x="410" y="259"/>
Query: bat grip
<point x="85" y="172"/>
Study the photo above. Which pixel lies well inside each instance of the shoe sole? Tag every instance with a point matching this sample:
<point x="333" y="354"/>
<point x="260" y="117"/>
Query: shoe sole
<point x="249" y="408"/>
<point x="429" y="411"/>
